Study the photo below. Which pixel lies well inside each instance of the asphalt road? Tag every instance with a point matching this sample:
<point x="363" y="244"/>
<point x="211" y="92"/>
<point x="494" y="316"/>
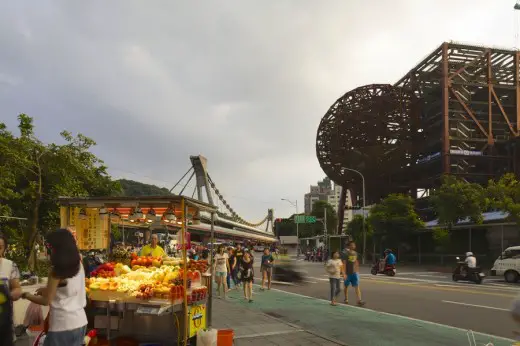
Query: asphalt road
<point x="423" y="295"/>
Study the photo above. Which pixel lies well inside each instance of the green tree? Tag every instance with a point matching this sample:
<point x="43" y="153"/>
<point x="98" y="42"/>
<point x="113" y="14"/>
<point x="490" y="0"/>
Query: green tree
<point x="36" y="174"/>
<point x="135" y="188"/>
<point x="395" y="218"/>
<point x="456" y="200"/>
<point x="504" y="195"/>
<point x="319" y="209"/>
<point x="355" y="229"/>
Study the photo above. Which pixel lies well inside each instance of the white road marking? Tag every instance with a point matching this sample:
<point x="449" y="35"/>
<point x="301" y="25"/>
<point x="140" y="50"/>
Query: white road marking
<point x="475" y="306"/>
<point x="395" y="316"/>
<point x="483" y="287"/>
<point x="419" y="273"/>
<point x="250" y="336"/>
<point x="392" y="278"/>
<point x="319" y="279"/>
<point x="282" y="283"/>
<point x="310" y="282"/>
<point x="433" y="276"/>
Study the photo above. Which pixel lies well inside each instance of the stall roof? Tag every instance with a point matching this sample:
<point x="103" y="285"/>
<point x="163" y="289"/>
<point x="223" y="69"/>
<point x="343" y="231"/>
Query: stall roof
<point x="130" y="201"/>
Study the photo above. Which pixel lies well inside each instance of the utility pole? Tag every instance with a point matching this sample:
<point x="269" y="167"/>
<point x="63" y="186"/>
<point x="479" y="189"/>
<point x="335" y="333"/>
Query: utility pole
<point x="364" y="216"/>
<point x="325" y="231"/>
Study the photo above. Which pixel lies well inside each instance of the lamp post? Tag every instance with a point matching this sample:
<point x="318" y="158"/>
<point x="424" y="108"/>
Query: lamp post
<point x="295" y="205"/>
<point x="364" y="205"/>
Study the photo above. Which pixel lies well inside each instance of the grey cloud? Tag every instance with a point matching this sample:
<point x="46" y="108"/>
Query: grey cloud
<point x="243" y="82"/>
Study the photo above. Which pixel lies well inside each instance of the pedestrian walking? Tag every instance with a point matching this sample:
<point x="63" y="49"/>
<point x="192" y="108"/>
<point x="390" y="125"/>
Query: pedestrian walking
<point x="334" y="268"/>
<point x="351" y="272"/>
<point x="239" y="254"/>
<point x="266" y="268"/>
<point x="247" y="276"/>
<point x="232" y="275"/>
<point x="221" y="270"/>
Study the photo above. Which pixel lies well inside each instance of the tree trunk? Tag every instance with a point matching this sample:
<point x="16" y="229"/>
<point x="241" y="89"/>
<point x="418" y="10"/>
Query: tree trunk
<point x="33" y="232"/>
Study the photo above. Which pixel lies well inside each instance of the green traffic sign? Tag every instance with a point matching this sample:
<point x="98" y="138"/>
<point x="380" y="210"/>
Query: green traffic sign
<point x="304" y="219"/>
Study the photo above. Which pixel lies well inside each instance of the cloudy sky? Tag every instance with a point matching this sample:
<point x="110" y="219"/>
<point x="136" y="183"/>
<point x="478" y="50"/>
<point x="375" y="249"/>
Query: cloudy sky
<point x="244" y="83"/>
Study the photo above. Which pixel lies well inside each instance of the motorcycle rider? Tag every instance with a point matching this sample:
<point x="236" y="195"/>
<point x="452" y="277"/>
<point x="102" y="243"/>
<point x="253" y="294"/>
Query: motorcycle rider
<point x="388" y="260"/>
<point x="471" y="262"/>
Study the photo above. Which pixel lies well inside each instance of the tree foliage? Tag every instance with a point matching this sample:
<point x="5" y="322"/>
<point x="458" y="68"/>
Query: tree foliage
<point x="504" y="195"/>
<point x="34" y="174"/>
<point x="319" y="208"/>
<point x="395" y="217"/>
<point x="456" y="200"/>
<point x="355" y="229"/>
<point x="136" y="188"/>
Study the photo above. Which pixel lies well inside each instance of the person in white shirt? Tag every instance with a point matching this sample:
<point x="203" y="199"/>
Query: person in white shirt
<point x="65" y="292"/>
<point x="334" y="269"/>
<point x="471" y="261"/>
<point x="221" y="269"/>
<point x="10" y="291"/>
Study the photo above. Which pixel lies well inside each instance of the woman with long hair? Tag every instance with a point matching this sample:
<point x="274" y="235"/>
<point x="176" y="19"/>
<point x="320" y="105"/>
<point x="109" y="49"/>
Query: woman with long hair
<point x="10" y="291"/>
<point x="248" y="276"/>
<point x="65" y="292"/>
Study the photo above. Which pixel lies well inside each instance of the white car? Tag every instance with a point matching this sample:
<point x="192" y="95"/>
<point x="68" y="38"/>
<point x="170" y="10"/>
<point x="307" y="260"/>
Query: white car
<point x="508" y="264"/>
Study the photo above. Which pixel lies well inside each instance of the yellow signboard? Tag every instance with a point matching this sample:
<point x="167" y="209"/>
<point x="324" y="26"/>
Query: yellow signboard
<point x="92" y="230"/>
<point x="197" y="316"/>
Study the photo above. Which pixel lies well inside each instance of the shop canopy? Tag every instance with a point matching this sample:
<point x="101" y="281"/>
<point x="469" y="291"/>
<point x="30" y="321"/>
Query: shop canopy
<point x="125" y="203"/>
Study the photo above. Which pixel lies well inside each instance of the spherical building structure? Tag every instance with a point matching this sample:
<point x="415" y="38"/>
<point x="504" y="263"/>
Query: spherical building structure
<point x="371" y="129"/>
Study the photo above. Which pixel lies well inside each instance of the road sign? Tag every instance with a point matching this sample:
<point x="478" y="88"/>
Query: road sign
<point x="304" y="219"/>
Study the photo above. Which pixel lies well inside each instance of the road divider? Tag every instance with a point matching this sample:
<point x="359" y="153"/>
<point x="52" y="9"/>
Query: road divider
<point x="475" y="305"/>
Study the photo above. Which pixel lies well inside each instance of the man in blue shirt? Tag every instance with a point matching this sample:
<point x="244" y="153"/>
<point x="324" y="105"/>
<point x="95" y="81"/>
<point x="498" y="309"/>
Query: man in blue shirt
<point x="390" y="257"/>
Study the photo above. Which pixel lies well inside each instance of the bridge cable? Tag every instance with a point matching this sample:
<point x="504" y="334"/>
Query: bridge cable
<point x="234" y="215"/>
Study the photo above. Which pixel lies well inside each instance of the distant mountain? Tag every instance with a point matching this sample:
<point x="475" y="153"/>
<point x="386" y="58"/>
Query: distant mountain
<point x="135" y="189"/>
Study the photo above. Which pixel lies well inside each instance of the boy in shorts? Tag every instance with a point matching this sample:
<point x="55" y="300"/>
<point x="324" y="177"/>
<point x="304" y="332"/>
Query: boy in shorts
<point x="351" y="272"/>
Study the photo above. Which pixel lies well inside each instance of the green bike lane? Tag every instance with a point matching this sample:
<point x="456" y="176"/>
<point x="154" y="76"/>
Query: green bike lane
<point x="357" y="326"/>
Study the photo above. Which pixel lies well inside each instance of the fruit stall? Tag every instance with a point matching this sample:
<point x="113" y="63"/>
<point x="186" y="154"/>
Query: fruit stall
<point x="160" y="300"/>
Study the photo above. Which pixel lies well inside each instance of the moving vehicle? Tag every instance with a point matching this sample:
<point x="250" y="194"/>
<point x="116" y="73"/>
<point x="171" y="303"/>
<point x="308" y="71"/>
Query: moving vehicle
<point x="287" y="273"/>
<point x="462" y="272"/>
<point x="508" y="264"/>
<point x="389" y="269"/>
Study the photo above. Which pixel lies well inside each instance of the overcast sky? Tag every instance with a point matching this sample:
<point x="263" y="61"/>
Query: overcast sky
<point x="244" y="83"/>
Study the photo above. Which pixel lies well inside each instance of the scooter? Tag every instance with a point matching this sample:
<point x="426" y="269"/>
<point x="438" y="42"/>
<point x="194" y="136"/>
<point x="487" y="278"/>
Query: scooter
<point x="462" y="272"/>
<point x="389" y="269"/>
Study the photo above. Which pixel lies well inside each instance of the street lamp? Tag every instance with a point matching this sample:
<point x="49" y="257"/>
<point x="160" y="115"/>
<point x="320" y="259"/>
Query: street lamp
<point x="364" y="205"/>
<point x="295" y="204"/>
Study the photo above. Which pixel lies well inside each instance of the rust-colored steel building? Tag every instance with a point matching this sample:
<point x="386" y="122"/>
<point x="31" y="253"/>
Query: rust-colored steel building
<point x="456" y="112"/>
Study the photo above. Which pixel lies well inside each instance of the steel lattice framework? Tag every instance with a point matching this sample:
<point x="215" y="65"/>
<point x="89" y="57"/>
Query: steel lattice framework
<point x="371" y="129"/>
<point x="456" y="112"/>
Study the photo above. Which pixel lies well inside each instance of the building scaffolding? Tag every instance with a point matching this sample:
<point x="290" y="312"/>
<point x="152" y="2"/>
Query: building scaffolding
<point x="457" y="112"/>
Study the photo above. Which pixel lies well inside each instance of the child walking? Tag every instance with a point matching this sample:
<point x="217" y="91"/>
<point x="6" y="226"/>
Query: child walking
<point x="334" y="269"/>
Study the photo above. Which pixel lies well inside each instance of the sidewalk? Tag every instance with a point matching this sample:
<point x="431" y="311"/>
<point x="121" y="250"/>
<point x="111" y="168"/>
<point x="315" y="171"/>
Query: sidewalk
<point x="256" y="328"/>
<point x="351" y="325"/>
